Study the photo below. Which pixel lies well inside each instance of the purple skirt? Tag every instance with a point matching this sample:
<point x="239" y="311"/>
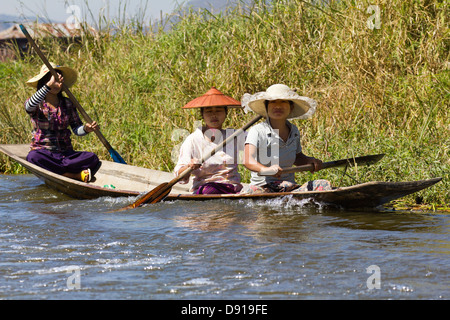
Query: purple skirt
<point x="218" y="188"/>
<point x="68" y="161"/>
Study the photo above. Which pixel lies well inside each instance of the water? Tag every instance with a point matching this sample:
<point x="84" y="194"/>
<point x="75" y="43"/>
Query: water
<point x="55" y="247"/>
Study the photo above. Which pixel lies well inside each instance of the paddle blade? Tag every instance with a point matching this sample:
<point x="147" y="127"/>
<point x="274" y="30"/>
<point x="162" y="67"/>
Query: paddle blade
<point x="116" y="156"/>
<point x="364" y="160"/>
<point x="160" y="196"/>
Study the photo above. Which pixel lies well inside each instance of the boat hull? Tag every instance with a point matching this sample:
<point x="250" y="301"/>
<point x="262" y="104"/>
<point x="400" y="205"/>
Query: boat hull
<point x="365" y="195"/>
<point x="121" y="180"/>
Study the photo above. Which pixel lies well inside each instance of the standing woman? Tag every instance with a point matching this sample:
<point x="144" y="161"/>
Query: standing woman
<point x="274" y="144"/>
<point x="218" y="174"/>
<point x="51" y="115"/>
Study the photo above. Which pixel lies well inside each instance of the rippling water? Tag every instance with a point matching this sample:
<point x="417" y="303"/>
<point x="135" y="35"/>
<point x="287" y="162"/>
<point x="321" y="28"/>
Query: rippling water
<point x="55" y="247"/>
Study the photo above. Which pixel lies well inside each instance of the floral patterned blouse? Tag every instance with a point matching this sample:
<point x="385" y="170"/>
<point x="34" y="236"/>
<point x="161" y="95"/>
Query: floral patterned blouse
<point x="51" y="125"/>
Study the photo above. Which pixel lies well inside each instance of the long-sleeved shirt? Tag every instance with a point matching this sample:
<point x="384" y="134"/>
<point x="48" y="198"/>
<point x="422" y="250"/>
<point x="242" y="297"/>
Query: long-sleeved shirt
<point x="50" y="125"/>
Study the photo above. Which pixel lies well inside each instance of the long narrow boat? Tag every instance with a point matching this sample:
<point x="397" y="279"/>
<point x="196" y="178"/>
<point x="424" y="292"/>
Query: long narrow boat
<point x="121" y="180"/>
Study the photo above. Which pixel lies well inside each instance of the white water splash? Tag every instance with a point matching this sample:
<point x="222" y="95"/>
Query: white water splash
<point x="287" y="202"/>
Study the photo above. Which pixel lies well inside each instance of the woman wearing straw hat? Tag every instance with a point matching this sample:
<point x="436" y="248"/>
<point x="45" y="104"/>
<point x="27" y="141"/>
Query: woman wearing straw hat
<point x="219" y="174"/>
<point x="275" y="144"/>
<point x="51" y="115"/>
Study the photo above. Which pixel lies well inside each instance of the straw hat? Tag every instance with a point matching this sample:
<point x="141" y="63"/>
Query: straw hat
<point x="213" y="98"/>
<point x="70" y="75"/>
<point x="304" y="107"/>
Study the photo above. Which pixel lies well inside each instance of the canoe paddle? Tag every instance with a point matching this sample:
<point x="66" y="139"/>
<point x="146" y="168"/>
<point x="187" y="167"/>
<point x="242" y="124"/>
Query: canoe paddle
<point x="365" y="160"/>
<point x="113" y="153"/>
<point x="160" y="192"/>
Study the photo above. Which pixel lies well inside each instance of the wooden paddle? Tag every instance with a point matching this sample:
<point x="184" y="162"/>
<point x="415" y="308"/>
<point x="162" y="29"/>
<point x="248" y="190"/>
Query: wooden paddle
<point x="365" y="160"/>
<point x="113" y="153"/>
<point x="160" y="192"/>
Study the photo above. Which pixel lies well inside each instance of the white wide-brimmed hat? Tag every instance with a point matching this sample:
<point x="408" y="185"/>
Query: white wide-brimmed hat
<point x="304" y="107"/>
<point x="70" y="76"/>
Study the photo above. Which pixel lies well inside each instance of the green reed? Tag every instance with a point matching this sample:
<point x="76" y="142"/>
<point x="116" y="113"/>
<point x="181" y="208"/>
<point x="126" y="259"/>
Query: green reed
<point x="381" y="87"/>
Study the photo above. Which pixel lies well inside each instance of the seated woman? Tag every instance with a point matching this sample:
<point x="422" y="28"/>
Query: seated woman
<point x="51" y="114"/>
<point x="218" y="174"/>
<point x="275" y="144"/>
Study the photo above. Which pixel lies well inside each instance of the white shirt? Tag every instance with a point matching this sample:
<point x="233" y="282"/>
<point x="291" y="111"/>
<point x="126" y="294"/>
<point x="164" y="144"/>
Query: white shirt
<point x="221" y="167"/>
<point x="272" y="149"/>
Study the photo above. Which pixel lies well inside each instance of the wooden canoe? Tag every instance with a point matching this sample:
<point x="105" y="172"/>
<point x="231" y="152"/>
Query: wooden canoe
<point x="130" y="180"/>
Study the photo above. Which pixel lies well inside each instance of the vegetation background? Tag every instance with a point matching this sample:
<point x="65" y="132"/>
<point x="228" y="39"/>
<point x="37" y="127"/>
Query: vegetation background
<point x="380" y="74"/>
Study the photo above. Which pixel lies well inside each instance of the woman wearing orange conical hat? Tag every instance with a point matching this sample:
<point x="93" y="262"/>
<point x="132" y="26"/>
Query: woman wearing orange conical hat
<point x="219" y="174"/>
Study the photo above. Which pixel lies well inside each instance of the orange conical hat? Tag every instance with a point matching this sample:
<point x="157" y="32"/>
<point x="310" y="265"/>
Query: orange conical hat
<point x="213" y="98"/>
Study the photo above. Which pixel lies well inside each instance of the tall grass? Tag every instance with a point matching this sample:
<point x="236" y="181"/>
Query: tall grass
<point x="380" y="90"/>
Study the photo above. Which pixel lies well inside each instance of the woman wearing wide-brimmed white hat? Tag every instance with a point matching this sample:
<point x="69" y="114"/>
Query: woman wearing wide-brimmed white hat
<point x="275" y="144"/>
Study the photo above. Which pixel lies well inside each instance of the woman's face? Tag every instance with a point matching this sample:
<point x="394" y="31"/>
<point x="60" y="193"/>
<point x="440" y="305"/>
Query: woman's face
<point x="214" y="117"/>
<point x="279" y="109"/>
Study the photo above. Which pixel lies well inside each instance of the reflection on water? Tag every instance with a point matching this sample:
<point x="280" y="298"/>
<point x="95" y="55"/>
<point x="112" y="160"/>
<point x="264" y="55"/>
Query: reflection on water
<point x="276" y="249"/>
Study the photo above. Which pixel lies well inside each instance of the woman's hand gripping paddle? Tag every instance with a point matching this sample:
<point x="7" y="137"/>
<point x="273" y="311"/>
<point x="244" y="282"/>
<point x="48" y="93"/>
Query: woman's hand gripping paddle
<point x="160" y="192"/>
<point x="113" y="153"/>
